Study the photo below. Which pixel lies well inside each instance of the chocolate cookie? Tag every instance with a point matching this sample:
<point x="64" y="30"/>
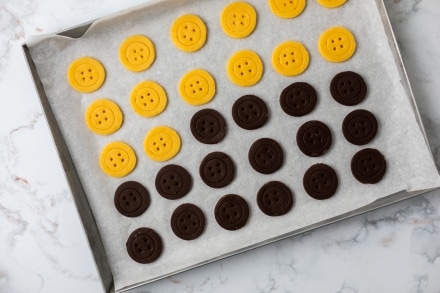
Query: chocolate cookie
<point x="368" y="166"/>
<point x="274" y="198"/>
<point x="208" y="126"/>
<point x="231" y="212"/>
<point x="250" y="112"/>
<point x="266" y="156"/>
<point x="359" y="127"/>
<point x="173" y="182"/>
<point x="131" y="199"/>
<point x="320" y="181"/>
<point x="298" y="99"/>
<point x="188" y="221"/>
<point x="217" y="170"/>
<point x="348" y="88"/>
<point x="144" y="245"/>
<point x="314" y="138"/>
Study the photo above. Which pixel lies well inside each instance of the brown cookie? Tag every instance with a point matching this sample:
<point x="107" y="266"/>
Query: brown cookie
<point x="359" y="127"/>
<point x="298" y="99"/>
<point x="314" y="138"/>
<point x="173" y="182"/>
<point x="348" y="88"/>
<point x="131" y="199"/>
<point x="266" y="156"/>
<point x="250" y="112"/>
<point x="320" y="181"/>
<point x="231" y="212"/>
<point x="217" y="170"/>
<point x="275" y="199"/>
<point x="368" y="166"/>
<point x="188" y="221"/>
<point x="144" y="245"/>
<point x="208" y="126"/>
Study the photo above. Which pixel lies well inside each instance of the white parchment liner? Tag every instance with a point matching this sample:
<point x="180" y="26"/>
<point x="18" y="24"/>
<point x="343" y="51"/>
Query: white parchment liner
<point x="410" y="166"/>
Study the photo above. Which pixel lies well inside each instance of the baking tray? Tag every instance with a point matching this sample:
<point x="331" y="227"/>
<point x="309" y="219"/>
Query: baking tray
<point x="80" y="196"/>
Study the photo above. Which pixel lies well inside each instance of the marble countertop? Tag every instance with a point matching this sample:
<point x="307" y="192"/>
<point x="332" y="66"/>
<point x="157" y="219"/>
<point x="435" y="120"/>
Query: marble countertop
<point x="42" y="244"/>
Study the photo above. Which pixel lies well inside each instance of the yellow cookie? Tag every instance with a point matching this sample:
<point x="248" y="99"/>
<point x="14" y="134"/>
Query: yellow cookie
<point x="337" y="44"/>
<point x="103" y="117"/>
<point x="197" y="87"/>
<point x="117" y="159"/>
<point x="86" y="74"/>
<point x="287" y="8"/>
<point x="331" y="3"/>
<point x="148" y="99"/>
<point x="137" y="53"/>
<point x="238" y="19"/>
<point x="245" y="68"/>
<point x="290" y="58"/>
<point x="161" y="143"/>
<point x="188" y="33"/>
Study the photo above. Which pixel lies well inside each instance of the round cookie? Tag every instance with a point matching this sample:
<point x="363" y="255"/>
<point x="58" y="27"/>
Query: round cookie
<point x="161" y="143"/>
<point x="368" y="166"/>
<point x="275" y="199"/>
<point x="348" y="88"/>
<point x="103" y="117"/>
<point x="188" y="33"/>
<point x="231" y="212"/>
<point x="287" y="8"/>
<point x="337" y="44"/>
<point x="314" y="138"/>
<point x="217" y="170"/>
<point x="131" y="199"/>
<point x="245" y="68"/>
<point x="144" y="245"/>
<point x="359" y="127"/>
<point x="298" y="99"/>
<point x="197" y="87"/>
<point x="320" y="181"/>
<point x="208" y="126"/>
<point x="266" y="156"/>
<point x="86" y="74"/>
<point x="290" y="58"/>
<point x="117" y="159"/>
<point x="188" y="221"/>
<point x="250" y="112"/>
<point x="137" y="53"/>
<point x="148" y="99"/>
<point x="173" y="182"/>
<point x="238" y="19"/>
<point x="332" y="3"/>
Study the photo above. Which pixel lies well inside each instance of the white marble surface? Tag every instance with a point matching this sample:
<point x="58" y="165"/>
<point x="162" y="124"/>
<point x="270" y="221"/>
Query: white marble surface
<point x="42" y="246"/>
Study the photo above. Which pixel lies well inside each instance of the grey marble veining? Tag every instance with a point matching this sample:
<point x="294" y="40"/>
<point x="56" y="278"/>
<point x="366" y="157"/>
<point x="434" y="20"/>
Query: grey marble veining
<point x="42" y="246"/>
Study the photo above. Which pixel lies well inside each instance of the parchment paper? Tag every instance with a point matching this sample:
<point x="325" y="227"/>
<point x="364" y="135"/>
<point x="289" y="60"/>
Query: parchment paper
<point x="409" y="163"/>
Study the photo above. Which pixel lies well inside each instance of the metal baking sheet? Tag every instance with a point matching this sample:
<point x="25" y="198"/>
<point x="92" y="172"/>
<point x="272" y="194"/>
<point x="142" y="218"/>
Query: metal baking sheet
<point x="81" y="199"/>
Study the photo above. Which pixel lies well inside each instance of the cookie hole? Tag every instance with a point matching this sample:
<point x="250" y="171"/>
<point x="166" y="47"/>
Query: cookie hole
<point x="340" y="39"/>
<point x="182" y="220"/>
<point x="136" y="245"/>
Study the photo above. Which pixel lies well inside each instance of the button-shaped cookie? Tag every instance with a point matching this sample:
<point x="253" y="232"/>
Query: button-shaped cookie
<point x="298" y="99"/>
<point x="250" y="112"/>
<point x="188" y="33"/>
<point x="314" y="138"/>
<point x="337" y="44"/>
<point x="148" y="99"/>
<point x="117" y="159"/>
<point x="144" y="245"/>
<point x="266" y="156"/>
<point x="231" y="212"/>
<point x="245" y="68"/>
<point x="208" y="126"/>
<point x="188" y="221"/>
<point x="161" y="143"/>
<point x="103" y="117"/>
<point x="86" y="74"/>
<point x="368" y="166"/>
<point x="287" y="8"/>
<point x="197" y="87"/>
<point x="360" y="127"/>
<point x="320" y="181"/>
<point x="238" y="19"/>
<point x="137" y="53"/>
<point x="217" y="170"/>
<point x="173" y="182"/>
<point x="275" y="199"/>
<point x="290" y="58"/>
<point x="131" y="199"/>
<point x="348" y="88"/>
